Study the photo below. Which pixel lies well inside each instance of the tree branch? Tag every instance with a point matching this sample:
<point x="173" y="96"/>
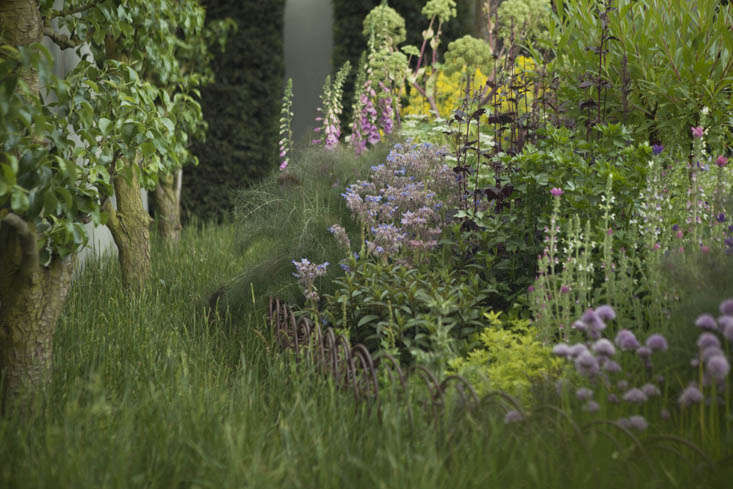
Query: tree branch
<point x="62" y="40"/>
<point x="76" y="10"/>
<point x="28" y="243"/>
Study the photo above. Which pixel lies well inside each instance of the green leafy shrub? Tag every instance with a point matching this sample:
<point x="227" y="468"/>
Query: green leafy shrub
<point x="509" y="359"/>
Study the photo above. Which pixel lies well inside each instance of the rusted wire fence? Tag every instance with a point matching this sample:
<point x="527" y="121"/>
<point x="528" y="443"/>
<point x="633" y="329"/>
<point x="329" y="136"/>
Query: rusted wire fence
<point x="370" y="378"/>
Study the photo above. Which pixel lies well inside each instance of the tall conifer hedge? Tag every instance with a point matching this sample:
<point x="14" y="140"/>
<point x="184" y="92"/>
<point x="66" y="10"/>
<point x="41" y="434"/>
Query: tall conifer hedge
<point x="241" y="107"/>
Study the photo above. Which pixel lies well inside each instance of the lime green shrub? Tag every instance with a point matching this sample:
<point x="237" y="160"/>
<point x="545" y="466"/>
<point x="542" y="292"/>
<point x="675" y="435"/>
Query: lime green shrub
<point x="508" y="360"/>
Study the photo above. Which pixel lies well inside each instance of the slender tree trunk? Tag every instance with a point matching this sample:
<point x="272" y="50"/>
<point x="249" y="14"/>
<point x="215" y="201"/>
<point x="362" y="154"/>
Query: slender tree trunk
<point x="168" y="206"/>
<point x="130" y="227"/>
<point x="32" y="297"/>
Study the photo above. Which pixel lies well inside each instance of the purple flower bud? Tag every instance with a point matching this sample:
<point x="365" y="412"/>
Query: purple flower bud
<point x="697" y="132"/>
<point x="717" y="367"/>
<point x="626" y="340"/>
<point x="726" y="307"/>
<point x="691" y="395"/>
<point x="650" y="390"/>
<point x="644" y="352"/>
<point x="580" y="326"/>
<point x="591" y="407"/>
<point x="561" y="350"/>
<point x="604" y="347"/>
<point x="657" y="148"/>
<point x="606" y="312"/>
<point x="726" y="324"/>
<point x="657" y="342"/>
<point x="706" y="340"/>
<point x="577" y="349"/>
<point x="513" y="416"/>
<point x="584" y="394"/>
<point x="638" y="422"/>
<point x="611" y="366"/>
<point x="635" y="395"/>
<point x="706" y="321"/>
<point x="557" y="192"/>
<point x="587" y="364"/>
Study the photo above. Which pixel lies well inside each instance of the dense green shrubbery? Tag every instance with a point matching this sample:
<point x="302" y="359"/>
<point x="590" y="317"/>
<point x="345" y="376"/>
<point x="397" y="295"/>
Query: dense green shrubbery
<point x="240" y="107"/>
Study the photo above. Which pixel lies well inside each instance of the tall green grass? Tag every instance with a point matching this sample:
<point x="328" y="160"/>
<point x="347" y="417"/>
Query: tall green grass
<point x="155" y="392"/>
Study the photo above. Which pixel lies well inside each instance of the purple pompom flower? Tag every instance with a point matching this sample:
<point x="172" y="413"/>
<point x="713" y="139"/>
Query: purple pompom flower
<point x="706" y="340"/>
<point x="717" y="367"/>
<point x="635" y="395"/>
<point x="638" y="422"/>
<point x="706" y="321"/>
<point x="710" y="352"/>
<point x="726" y="325"/>
<point x="657" y="342"/>
<point x="591" y="407"/>
<point x="650" y="390"/>
<point x="611" y="366"/>
<point x="513" y="416"/>
<point x="587" y="364"/>
<point x="626" y="340"/>
<point x="691" y="395"/>
<point x="726" y="307"/>
<point x="606" y="312"/>
<point x="644" y="352"/>
<point x="561" y="350"/>
<point x="577" y="349"/>
<point x="604" y="347"/>
<point x="557" y="192"/>
<point x="584" y="394"/>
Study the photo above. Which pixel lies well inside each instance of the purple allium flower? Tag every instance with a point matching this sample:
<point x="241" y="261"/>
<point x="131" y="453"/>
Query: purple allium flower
<point x="726" y="307"/>
<point x="604" y="347"/>
<point x="561" y="350"/>
<point x="606" y="312"/>
<point x="626" y="340"/>
<point x="577" y="349"/>
<point x="650" y="390"/>
<point x="717" y="367"/>
<point x="638" y="422"/>
<point x="587" y="364"/>
<point x="591" y="406"/>
<point x="726" y="325"/>
<point x="557" y="192"/>
<point x="634" y="395"/>
<point x="697" y="132"/>
<point x="710" y="352"/>
<point x="594" y="321"/>
<point x="612" y="398"/>
<point x="657" y="148"/>
<point x="580" y="326"/>
<point x="584" y="394"/>
<point x="611" y="366"/>
<point x="691" y="395"/>
<point x="706" y="321"/>
<point x="657" y="342"/>
<point x="513" y="416"/>
<point x="706" y="340"/>
<point x="721" y="161"/>
<point x="644" y="352"/>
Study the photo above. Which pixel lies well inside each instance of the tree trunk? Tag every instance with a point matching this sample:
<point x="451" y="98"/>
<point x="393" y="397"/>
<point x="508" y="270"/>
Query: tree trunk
<point x="168" y="206"/>
<point x="130" y="227"/>
<point x="32" y="297"/>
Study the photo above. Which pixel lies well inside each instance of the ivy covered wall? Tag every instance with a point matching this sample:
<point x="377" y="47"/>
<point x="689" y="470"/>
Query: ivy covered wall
<point x="241" y="107"/>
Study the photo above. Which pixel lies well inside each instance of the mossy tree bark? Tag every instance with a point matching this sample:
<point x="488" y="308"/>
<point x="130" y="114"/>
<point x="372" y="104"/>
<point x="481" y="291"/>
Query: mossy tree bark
<point x="32" y="297"/>
<point x="168" y="206"/>
<point x="130" y="227"/>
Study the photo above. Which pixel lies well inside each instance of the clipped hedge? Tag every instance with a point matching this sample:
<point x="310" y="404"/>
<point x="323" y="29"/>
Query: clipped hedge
<point x="348" y="42"/>
<point x="241" y="107"/>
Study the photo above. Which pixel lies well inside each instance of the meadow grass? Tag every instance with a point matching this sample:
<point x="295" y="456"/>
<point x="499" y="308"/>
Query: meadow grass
<point x="154" y="391"/>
